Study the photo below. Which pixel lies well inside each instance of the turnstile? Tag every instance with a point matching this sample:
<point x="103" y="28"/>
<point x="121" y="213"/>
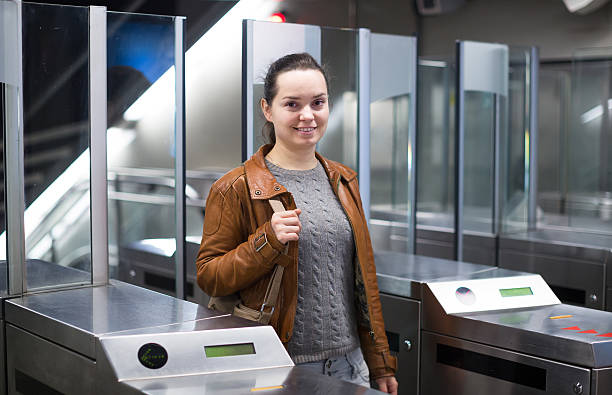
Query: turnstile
<point x="124" y="339"/>
<point x="577" y="265"/>
<point x="493" y="344"/>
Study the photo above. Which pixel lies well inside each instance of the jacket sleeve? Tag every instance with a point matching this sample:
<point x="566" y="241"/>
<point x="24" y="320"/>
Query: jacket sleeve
<point x="378" y="357"/>
<point x="230" y="259"/>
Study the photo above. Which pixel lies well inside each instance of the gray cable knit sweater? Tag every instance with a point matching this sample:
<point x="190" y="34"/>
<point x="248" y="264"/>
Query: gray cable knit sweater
<point x="325" y="323"/>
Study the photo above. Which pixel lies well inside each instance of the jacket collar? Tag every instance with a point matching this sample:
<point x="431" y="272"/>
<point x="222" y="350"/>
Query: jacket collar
<point x="263" y="185"/>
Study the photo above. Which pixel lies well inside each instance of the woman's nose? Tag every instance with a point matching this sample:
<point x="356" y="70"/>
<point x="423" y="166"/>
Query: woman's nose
<point x="306" y="115"/>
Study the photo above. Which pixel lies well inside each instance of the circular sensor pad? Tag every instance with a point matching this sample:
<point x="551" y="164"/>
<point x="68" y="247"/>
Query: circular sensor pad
<point x="152" y="356"/>
<point x="465" y="296"/>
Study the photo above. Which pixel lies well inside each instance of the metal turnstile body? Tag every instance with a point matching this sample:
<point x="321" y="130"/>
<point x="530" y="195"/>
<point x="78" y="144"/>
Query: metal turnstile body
<point x="546" y="349"/>
<point x="124" y="339"/>
<point x="577" y="266"/>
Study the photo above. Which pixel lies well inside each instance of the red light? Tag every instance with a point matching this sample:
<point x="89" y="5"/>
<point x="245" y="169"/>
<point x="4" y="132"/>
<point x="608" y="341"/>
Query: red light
<point x="277" y="17"/>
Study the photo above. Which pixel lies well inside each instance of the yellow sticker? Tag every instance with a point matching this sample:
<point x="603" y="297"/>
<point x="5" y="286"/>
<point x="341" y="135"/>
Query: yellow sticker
<point x="276" y="387"/>
<point x="558" y="317"/>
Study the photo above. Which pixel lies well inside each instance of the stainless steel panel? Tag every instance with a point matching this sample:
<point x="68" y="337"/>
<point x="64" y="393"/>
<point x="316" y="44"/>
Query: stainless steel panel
<point x="72" y="318"/>
<point x="439" y="242"/>
<point x="405" y="274"/>
<point x="581" y="245"/>
<point x="443" y="378"/>
<point x="97" y="138"/>
<point x="294" y="381"/>
<point x="186" y="352"/>
<point x="531" y="331"/>
<point x="47" y="363"/>
<point x="402" y="322"/>
<point x="220" y="322"/>
<point x="43" y="274"/>
<point x="2" y="358"/>
<point x="565" y="271"/>
<point x="601" y="381"/>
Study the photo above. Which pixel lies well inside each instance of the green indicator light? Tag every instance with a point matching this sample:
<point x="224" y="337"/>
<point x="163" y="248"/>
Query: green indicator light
<point x="516" y="292"/>
<point x="229" y="350"/>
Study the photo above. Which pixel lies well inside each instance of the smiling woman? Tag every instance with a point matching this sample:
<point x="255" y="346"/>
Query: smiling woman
<point x="328" y="312"/>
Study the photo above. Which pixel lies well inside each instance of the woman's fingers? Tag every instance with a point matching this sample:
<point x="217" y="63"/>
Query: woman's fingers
<point x="286" y="225"/>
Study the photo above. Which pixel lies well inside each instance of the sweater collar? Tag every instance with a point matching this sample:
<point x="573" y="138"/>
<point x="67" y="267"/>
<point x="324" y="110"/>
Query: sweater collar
<point x="263" y="185"/>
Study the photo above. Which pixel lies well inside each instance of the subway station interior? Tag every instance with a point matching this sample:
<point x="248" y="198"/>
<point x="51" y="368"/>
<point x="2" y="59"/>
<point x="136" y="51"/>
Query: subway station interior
<point x="481" y="132"/>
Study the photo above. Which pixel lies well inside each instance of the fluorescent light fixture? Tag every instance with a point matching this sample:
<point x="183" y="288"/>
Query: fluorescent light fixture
<point x="593" y="113"/>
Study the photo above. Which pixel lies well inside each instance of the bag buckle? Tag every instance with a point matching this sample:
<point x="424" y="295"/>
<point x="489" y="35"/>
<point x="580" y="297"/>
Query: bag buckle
<point x="263" y="306"/>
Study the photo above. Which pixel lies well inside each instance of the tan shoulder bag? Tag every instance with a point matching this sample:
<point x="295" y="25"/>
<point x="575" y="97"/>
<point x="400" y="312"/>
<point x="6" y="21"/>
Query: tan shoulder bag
<point x="233" y="304"/>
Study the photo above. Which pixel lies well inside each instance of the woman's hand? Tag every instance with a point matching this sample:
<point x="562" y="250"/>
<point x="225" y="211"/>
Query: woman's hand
<point x="286" y="225"/>
<point x="387" y="384"/>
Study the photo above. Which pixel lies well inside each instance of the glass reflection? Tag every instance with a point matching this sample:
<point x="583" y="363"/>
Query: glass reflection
<point x="436" y="143"/>
<point x="56" y="144"/>
<point x="339" y="56"/>
<point x="589" y="199"/>
<point x="141" y="155"/>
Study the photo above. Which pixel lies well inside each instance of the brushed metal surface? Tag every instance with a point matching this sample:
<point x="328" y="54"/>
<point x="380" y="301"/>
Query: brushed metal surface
<point x="186" y="354"/>
<point x="402" y="318"/>
<point x="54" y="366"/>
<point x="405" y="274"/>
<point x="545" y="240"/>
<point x="42" y="274"/>
<point x="294" y="381"/>
<point x="73" y="318"/>
<point x="564" y="271"/>
<point x="531" y="331"/>
<point x="601" y="381"/>
<point x="444" y="379"/>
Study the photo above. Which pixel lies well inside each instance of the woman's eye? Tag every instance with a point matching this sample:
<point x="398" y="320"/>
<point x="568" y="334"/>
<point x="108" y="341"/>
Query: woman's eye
<point x="291" y="104"/>
<point x="319" y="103"/>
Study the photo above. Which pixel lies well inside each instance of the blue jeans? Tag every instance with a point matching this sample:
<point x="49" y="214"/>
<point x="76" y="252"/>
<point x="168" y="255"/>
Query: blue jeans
<point x="350" y="367"/>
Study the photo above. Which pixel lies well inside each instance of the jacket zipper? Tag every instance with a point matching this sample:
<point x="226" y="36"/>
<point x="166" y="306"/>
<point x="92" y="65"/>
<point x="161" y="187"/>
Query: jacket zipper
<point x="365" y="288"/>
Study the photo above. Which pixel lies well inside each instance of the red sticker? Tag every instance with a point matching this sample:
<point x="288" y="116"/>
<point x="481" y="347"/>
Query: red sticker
<point x="589" y="331"/>
<point x="605" y="335"/>
<point x="572" y="328"/>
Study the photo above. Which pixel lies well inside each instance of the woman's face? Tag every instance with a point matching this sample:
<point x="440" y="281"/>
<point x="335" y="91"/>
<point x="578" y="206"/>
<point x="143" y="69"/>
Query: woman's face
<point x="300" y="109"/>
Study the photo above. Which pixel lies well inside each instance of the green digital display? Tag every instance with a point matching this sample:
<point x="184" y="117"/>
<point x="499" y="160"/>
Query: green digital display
<point x="506" y="293"/>
<point x="229" y="350"/>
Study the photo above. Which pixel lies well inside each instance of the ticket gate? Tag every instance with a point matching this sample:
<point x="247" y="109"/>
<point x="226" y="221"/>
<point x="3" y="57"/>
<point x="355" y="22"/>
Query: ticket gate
<point x="124" y="339"/>
<point x="467" y="328"/>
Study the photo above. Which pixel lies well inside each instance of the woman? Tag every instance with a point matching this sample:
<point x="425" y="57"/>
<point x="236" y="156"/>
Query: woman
<point x="328" y="312"/>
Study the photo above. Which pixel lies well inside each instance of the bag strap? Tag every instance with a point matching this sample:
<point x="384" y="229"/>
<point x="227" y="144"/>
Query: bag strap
<point x="275" y="281"/>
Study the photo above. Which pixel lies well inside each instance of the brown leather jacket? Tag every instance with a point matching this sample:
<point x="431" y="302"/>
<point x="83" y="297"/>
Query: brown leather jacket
<point x="239" y="250"/>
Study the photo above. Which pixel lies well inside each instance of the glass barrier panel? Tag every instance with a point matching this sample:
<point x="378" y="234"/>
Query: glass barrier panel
<point x="141" y="149"/>
<point x="554" y="90"/>
<point x="9" y="114"/>
<point x="392" y="90"/>
<point x="436" y="143"/>
<point x="339" y="57"/>
<point x="589" y="148"/>
<point x="56" y="145"/>
<point x="479" y="161"/>
<point x="515" y="143"/>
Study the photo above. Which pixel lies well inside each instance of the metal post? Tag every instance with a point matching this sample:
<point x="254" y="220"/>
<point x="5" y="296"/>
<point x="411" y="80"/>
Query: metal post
<point x="412" y="135"/>
<point x="13" y="154"/>
<point x="363" y="118"/>
<point x="97" y="144"/>
<point x="179" y="142"/>
<point x="534" y="67"/>
<point x="459" y="151"/>
<point x="247" y="89"/>
<point x="496" y="212"/>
